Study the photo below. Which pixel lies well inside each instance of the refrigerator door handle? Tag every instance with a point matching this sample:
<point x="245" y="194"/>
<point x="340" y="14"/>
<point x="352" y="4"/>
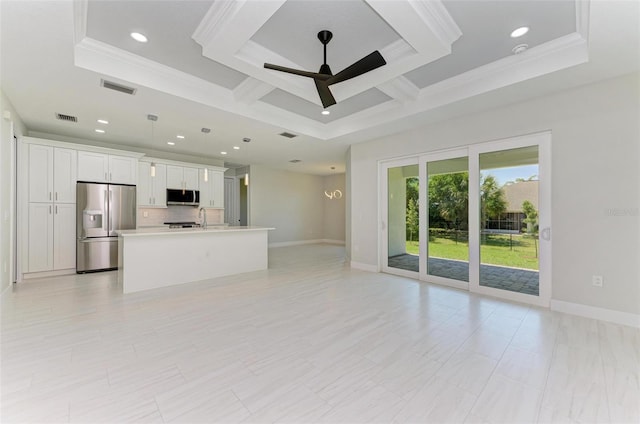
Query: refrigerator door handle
<point x="105" y="209"/>
<point x="110" y="212"/>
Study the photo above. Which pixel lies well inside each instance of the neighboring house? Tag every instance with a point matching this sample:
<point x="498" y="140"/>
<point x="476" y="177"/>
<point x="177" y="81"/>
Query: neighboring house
<point x="515" y="194"/>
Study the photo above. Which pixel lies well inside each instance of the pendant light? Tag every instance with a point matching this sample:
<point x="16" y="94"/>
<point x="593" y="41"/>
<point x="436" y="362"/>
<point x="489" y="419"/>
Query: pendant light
<point x="152" y="168"/>
<point x="246" y="175"/>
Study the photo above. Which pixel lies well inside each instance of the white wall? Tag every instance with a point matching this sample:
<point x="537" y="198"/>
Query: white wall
<point x="9" y="124"/>
<point x="290" y="202"/>
<point x="334" y="209"/>
<point x="595" y="183"/>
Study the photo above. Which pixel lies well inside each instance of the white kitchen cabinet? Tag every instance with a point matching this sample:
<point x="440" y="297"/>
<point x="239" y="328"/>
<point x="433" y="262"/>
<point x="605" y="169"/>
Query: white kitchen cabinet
<point x="212" y="191"/>
<point x="122" y="169"/>
<point x="152" y="191"/>
<point x="64" y="236"/>
<point x="217" y="179"/>
<point x="52" y="174"/>
<point x="93" y="167"/>
<point x="182" y="177"/>
<point x="104" y="168"/>
<point x="52" y="236"/>
<point x="64" y="175"/>
<point x="40" y="237"/>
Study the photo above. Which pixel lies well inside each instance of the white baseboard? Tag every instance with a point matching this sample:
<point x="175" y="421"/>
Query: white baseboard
<point x="363" y="267"/>
<point x="47" y="274"/>
<point x="295" y="243"/>
<point x="609" y="315"/>
<point x="331" y="241"/>
<point x="301" y="242"/>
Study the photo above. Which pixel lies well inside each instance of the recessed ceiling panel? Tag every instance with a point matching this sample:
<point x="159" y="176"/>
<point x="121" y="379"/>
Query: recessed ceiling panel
<point x="168" y="25"/>
<point x="486" y="27"/>
<point x="357" y="31"/>
<point x="291" y="103"/>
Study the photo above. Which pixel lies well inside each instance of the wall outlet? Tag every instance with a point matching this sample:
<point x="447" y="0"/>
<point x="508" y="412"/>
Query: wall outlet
<point x="597" y="280"/>
<point x="145" y="214"/>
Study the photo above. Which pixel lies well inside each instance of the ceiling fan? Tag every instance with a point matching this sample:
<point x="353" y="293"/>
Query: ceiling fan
<point x="324" y="78"/>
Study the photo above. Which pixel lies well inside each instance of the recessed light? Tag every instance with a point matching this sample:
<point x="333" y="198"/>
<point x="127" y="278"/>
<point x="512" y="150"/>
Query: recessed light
<point x="519" y="32"/>
<point x="103" y="121"/>
<point x="223" y="153"/>
<point x="180" y="136"/>
<point x="141" y="38"/>
<point x="236" y="147"/>
<point x="171" y="143"/>
<point x="326" y="112"/>
<point x="98" y="130"/>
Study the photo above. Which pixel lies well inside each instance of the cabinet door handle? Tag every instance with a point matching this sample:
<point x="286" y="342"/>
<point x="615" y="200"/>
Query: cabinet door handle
<point x="105" y="176"/>
<point x="56" y="209"/>
<point x="49" y="195"/>
<point x="49" y="209"/>
<point x="110" y="176"/>
<point x="56" y="196"/>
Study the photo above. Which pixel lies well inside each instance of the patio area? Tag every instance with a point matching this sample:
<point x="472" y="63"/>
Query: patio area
<point x="499" y="277"/>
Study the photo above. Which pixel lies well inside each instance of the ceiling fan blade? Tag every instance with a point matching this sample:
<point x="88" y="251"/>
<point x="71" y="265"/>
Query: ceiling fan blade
<point x="325" y="94"/>
<point x="313" y="75"/>
<point x="364" y="65"/>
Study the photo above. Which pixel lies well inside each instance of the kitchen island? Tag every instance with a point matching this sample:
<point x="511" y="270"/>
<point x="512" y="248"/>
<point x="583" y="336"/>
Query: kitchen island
<point x="150" y="258"/>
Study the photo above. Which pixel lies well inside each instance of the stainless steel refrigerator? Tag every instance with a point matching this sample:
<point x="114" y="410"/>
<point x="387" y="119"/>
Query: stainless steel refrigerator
<point x="102" y="210"/>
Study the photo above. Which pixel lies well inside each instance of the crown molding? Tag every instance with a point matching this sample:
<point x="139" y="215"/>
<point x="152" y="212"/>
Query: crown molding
<point x="438" y="19"/>
<point x="400" y="89"/>
<point x="80" y="13"/>
<point x="582" y="18"/>
<point x="251" y="90"/>
<point x="397" y="51"/>
<point x="219" y="14"/>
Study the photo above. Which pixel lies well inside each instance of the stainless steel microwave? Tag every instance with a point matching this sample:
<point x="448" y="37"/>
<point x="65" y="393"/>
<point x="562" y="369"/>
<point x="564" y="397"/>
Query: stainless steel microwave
<point x="183" y="197"/>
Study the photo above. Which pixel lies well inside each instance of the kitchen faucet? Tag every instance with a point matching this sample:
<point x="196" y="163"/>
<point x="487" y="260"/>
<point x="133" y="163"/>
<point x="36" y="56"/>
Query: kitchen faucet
<point x="204" y="221"/>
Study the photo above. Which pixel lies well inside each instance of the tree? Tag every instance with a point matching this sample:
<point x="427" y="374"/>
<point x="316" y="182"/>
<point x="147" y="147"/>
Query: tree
<point x="492" y="201"/>
<point x="531" y="216"/>
<point x="413" y="219"/>
<point x="449" y="200"/>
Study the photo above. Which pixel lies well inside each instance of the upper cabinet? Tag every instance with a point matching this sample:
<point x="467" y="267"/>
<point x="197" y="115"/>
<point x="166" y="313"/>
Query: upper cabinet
<point x="52" y="174"/>
<point x="101" y="167"/>
<point x="212" y="190"/>
<point x="152" y="191"/>
<point x="182" y="177"/>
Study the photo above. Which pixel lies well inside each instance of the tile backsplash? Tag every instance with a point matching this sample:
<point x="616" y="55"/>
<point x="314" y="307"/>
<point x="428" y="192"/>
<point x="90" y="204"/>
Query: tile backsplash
<point x="158" y="216"/>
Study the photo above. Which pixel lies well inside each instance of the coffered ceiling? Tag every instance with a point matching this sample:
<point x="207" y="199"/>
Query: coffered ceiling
<point x="203" y="67"/>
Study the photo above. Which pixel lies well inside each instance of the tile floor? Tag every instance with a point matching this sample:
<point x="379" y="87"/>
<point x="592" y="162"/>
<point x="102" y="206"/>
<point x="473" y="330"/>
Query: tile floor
<point x="309" y="340"/>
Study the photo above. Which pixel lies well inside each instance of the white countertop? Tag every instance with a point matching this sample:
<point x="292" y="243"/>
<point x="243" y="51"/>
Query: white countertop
<point x="163" y="231"/>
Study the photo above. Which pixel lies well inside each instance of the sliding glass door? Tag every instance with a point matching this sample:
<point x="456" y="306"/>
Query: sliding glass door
<point x="400" y="217"/>
<point x="476" y="218"/>
<point x="511" y="220"/>
<point x="447" y="218"/>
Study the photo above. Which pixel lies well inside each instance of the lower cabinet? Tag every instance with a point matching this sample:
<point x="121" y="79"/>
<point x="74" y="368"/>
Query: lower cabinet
<point x="52" y="236"/>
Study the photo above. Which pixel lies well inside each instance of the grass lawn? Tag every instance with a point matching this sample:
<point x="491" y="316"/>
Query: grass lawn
<point x="495" y="250"/>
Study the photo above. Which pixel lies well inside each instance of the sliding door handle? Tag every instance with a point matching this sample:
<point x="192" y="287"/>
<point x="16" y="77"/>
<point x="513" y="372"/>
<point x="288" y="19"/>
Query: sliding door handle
<point x="546" y="233"/>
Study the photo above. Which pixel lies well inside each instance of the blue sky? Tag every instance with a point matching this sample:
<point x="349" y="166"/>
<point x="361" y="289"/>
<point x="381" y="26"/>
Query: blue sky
<point x="510" y="174"/>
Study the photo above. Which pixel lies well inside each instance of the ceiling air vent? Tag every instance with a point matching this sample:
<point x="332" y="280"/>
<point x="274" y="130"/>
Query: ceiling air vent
<point x="68" y="118"/>
<point x="288" y="135"/>
<point x="118" y="87"/>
